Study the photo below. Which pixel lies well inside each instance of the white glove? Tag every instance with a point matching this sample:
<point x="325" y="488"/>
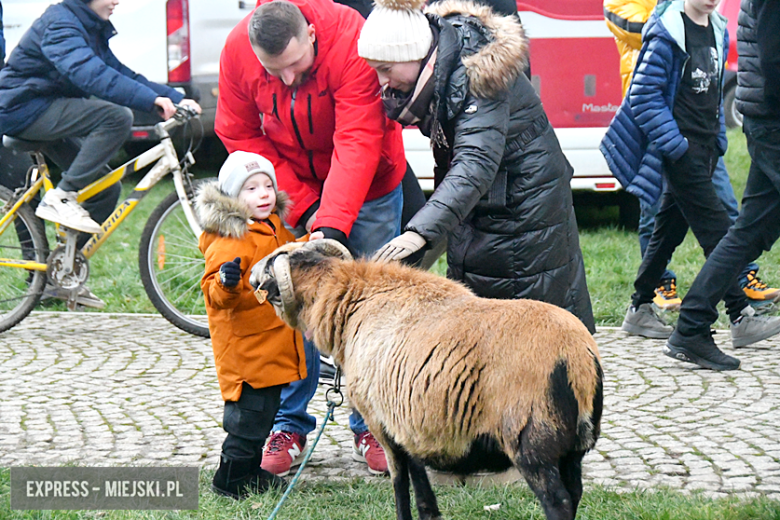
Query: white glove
<point x="400" y="247"/>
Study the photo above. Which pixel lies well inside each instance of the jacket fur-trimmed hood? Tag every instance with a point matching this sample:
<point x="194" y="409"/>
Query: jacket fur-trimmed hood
<point x="226" y="216"/>
<point x="493" y="68"/>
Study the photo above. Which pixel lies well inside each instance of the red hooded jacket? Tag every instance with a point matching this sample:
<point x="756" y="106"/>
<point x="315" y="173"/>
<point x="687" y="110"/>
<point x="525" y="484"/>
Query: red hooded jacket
<point x="329" y="138"/>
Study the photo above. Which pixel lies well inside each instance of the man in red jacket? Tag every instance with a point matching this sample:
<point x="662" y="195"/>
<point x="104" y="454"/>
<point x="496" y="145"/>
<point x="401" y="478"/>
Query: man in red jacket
<point x="293" y="89"/>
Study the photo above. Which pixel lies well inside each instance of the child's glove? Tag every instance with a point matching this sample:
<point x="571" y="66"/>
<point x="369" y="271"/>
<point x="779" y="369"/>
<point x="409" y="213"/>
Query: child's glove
<point x="230" y="273"/>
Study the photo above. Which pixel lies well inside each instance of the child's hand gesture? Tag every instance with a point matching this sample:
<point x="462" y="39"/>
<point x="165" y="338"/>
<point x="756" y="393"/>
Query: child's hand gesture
<point x="230" y="273"/>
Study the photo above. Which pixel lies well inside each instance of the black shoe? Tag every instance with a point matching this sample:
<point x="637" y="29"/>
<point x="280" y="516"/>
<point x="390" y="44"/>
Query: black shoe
<point x="238" y="478"/>
<point x="699" y="349"/>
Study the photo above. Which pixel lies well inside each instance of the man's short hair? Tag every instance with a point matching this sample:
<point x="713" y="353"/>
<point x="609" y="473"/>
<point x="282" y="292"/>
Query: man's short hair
<point x="274" y="24"/>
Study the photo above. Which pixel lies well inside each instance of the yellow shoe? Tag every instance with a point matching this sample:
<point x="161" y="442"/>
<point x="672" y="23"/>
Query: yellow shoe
<point x="758" y="290"/>
<point x="666" y="298"/>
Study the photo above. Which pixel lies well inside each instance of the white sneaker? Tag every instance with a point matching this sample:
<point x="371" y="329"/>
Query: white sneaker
<point x="61" y="207"/>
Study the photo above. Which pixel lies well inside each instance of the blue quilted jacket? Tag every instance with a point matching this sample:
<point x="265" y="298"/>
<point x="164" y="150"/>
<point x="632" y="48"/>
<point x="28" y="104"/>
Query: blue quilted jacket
<point x="643" y="130"/>
<point x="65" y="53"/>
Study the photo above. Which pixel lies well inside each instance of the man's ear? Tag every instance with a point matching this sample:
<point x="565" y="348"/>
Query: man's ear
<point x="311" y="33"/>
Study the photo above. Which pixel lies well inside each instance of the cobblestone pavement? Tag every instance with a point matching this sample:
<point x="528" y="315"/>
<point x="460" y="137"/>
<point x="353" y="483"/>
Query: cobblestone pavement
<point x="102" y="389"/>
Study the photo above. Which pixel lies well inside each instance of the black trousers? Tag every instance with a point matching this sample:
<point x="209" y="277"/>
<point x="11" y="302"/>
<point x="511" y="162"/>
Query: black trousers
<point x="757" y="228"/>
<point x="688" y="200"/>
<point x="248" y="421"/>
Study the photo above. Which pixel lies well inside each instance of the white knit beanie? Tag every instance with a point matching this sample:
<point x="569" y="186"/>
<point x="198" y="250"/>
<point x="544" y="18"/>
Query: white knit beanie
<point x="238" y="167"/>
<point x="396" y="31"/>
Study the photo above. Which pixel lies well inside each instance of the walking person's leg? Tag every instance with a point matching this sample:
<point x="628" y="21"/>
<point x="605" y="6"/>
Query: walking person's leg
<point x="758" y="292"/>
<point x="756" y="230"/>
<point x="666" y="297"/>
<point x="668" y="232"/>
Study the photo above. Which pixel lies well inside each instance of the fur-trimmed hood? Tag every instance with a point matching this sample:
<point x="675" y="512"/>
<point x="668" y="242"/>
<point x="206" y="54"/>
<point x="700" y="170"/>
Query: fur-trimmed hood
<point x="226" y="216"/>
<point x="493" y="67"/>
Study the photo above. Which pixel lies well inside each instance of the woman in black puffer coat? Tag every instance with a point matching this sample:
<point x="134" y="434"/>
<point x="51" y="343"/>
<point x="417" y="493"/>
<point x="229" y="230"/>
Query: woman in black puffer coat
<point x="502" y="194"/>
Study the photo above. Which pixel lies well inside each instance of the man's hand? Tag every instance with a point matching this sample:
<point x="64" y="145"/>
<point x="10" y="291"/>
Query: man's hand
<point x="230" y="273"/>
<point x="166" y="106"/>
<point x="191" y="103"/>
<point x="400" y="247"/>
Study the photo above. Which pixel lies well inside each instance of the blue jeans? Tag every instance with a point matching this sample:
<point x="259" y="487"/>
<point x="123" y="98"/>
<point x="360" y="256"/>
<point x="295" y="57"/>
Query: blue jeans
<point x="378" y="222"/>
<point x="725" y="192"/>
<point x="757" y="228"/>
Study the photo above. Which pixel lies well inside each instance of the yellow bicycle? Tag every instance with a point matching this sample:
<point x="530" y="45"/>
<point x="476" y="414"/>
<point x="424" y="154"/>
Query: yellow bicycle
<point x="170" y="263"/>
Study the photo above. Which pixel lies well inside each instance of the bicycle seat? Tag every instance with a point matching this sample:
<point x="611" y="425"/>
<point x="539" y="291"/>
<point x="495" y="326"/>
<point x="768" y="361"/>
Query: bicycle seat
<point x="21" y="145"/>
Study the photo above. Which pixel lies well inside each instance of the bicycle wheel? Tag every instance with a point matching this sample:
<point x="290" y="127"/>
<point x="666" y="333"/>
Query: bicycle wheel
<point x="171" y="267"/>
<point x="24" y="239"/>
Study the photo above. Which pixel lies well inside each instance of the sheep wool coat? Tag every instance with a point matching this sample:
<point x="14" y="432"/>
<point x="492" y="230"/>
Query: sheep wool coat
<point x="502" y="194"/>
<point x="250" y="342"/>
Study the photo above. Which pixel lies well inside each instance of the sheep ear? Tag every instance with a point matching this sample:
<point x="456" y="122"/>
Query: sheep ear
<point x="328" y="247"/>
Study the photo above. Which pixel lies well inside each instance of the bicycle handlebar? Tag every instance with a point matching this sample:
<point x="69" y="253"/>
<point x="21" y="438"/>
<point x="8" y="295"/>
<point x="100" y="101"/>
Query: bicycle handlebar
<point x="183" y="115"/>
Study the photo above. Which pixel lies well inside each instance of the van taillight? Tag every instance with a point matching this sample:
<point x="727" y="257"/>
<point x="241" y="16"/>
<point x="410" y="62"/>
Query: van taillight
<point x="177" y="12"/>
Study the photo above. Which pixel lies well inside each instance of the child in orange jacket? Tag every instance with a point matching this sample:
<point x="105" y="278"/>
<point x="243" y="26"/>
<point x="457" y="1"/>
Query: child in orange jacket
<point x="255" y="353"/>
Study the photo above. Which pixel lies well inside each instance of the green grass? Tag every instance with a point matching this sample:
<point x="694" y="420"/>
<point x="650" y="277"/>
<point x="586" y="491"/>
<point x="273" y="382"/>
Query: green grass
<point x="368" y="500"/>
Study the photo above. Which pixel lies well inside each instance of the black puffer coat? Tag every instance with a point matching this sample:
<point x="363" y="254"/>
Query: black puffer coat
<point x="503" y="191"/>
<point x="751" y="78"/>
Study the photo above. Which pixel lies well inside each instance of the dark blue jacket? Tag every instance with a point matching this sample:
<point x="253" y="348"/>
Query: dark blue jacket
<point x="643" y="130"/>
<point x="65" y="54"/>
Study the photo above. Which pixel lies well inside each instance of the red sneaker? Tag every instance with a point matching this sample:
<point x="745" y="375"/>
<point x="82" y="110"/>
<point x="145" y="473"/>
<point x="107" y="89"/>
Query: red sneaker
<point x="367" y="449"/>
<point x="283" y="451"/>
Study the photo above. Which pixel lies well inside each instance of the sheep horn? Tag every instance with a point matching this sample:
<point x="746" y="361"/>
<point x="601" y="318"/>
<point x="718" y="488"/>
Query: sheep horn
<point x="329" y="247"/>
<point x="284" y="281"/>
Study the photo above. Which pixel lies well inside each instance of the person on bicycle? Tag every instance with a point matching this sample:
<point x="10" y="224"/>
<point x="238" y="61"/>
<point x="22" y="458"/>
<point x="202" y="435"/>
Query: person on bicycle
<point x="256" y="354"/>
<point x="293" y="89"/>
<point x="63" y="85"/>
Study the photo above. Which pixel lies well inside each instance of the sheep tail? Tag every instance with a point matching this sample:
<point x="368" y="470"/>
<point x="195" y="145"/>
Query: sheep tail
<point x="589" y="425"/>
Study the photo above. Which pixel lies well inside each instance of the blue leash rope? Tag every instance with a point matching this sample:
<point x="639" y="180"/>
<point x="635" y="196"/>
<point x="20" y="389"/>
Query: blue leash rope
<point x="334" y="392"/>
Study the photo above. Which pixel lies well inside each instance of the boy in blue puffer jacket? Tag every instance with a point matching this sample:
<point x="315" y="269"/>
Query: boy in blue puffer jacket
<point x="671" y="125"/>
<point x="47" y="93"/>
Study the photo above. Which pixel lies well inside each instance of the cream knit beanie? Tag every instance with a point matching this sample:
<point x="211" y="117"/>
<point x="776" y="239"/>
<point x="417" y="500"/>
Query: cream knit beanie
<point x="396" y="31"/>
<point x="238" y="167"/>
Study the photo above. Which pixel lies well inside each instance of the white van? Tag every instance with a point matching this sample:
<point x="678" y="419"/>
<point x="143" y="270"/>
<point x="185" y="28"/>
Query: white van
<point x="574" y="65"/>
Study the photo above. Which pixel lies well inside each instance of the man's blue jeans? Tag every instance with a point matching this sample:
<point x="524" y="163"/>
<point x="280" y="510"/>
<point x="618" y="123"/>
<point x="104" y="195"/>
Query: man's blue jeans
<point x="725" y="192"/>
<point x="755" y="231"/>
<point x="378" y="222"/>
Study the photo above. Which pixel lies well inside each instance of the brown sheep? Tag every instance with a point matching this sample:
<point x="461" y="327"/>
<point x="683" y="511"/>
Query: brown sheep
<point x="444" y="378"/>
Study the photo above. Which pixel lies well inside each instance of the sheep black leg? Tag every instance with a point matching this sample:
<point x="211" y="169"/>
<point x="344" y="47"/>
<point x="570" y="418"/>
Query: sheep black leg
<point x="545" y="481"/>
<point x="571" y="473"/>
<point x="427" y="507"/>
<point x="398" y="464"/>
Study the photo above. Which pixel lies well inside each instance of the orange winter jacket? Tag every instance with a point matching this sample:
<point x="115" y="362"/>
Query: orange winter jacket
<point x="250" y="342"/>
<point x="329" y="139"/>
<point x="626" y="18"/>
